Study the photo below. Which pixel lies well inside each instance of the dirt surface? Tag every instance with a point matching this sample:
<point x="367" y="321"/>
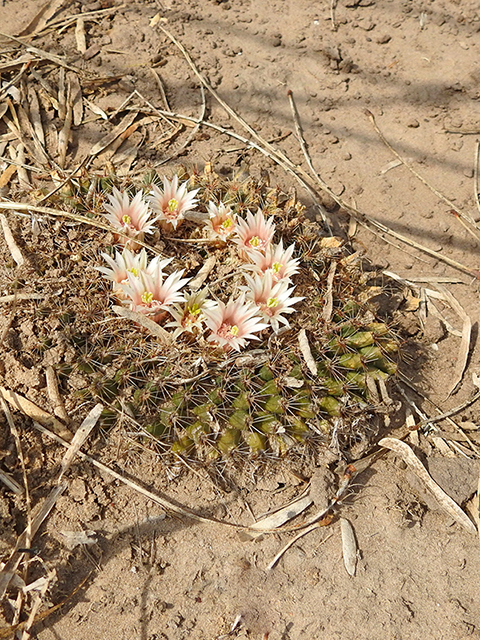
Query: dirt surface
<point x="149" y="575"/>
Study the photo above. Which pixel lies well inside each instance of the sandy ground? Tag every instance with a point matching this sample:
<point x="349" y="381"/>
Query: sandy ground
<point x="415" y="66"/>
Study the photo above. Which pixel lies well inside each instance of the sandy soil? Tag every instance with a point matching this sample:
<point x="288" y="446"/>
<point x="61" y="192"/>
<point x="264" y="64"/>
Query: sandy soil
<point x="415" y="66"/>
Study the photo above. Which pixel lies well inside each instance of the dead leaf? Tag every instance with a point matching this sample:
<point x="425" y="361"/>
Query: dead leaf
<point x="331" y="242"/>
<point x="349" y="546"/>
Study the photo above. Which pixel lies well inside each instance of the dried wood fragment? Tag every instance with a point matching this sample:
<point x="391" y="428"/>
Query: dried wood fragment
<point x="154" y="328"/>
<point x="54" y="394"/>
<point x="23" y="179"/>
<point x="10" y="240"/>
<point x="61" y="95"/>
<point x="282" y="551"/>
<point x="113" y="135"/>
<point x="7" y="175"/>
<point x="349" y="546"/>
<point x="448" y="505"/>
<point x="464" y="348"/>
<point x="47" y="87"/>
<point x="275" y="520"/>
<point x="80" y="36"/>
<point x="79" y="438"/>
<point x="11" y="483"/>
<point x="38" y="517"/>
<point x="31" y="410"/>
<point x="328" y="308"/>
<point x="76" y="98"/>
<point x="39" y="21"/>
<point x="202" y="275"/>
<point x="35" y="116"/>
<point x="307" y="353"/>
<point x="96" y="110"/>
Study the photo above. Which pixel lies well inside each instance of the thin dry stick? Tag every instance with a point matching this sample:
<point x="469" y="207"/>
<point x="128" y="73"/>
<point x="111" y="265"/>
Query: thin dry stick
<point x="149" y="324"/>
<point x="328" y="308"/>
<point x="65" y="22"/>
<point x="8" y="570"/>
<point x="380" y="235"/>
<point x="161" y="88"/>
<point x="417" y="175"/>
<point x="333" y="6"/>
<point x="165" y="504"/>
<point x="12" y="82"/>
<point x="34" y="412"/>
<point x="450" y="413"/>
<point x="292" y="542"/>
<point x="444" y="500"/>
<point x="21" y="206"/>
<point x="41" y="53"/>
<point x="304" y="147"/>
<point x="11" y="483"/>
<point x="475" y="176"/>
<point x="303" y="178"/>
<point x="265" y="147"/>
<point x="18" y="444"/>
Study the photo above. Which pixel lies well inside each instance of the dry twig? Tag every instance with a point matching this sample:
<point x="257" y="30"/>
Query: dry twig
<point x="444" y="500"/>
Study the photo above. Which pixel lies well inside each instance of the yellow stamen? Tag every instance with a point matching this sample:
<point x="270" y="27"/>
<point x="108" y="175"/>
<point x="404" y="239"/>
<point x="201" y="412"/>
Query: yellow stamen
<point x="226" y="224"/>
<point x="276" y="266"/>
<point x="194" y="310"/>
<point x="126" y="219"/>
<point x="134" y="270"/>
<point x="254" y="242"/>
<point x="272" y="302"/>
<point x="172" y="205"/>
<point x="147" y="297"/>
<point x="234" y="330"/>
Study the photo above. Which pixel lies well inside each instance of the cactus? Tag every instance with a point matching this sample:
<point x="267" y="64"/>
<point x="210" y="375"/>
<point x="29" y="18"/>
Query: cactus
<point x="273" y="403"/>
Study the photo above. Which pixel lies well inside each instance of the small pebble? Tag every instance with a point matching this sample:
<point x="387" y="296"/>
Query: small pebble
<point x="384" y="39"/>
<point x="276" y="40"/>
<point x="347" y="156"/>
<point x="413" y="124"/>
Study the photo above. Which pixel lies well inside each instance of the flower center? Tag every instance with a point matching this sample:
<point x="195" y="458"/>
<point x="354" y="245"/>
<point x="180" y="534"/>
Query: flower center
<point x="276" y="266"/>
<point x="126" y="220"/>
<point x="272" y="303"/>
<point x="133" y="270"/>
<point x="194" y="310"/>
<point x="255" y="241"/>
<point x="226" y="224"/>
<point x="172" y="205"/>
<point x="228" y="331"/>
<point x="147" y="297"/>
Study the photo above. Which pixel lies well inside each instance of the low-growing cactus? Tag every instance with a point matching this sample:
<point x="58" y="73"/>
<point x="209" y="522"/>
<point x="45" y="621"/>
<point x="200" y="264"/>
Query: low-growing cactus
<point x="214" y="390"/>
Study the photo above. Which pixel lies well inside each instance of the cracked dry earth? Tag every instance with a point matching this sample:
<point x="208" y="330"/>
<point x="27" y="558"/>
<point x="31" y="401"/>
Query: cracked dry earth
<point x="415" y="65"/>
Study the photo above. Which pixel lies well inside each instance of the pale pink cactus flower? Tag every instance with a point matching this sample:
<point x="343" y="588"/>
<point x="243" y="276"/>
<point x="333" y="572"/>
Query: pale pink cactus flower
<point x="151" y="293"/>
<point x="129" y="217"/>
<point x="233" y="324"/>
<point x="171" y="203"/>
<point x="190" y="316"/>
<point x="122" y="263"/>
<point x="222" y="221"/>
<point x="129" y="262"/>
<point x="276" y="260"/>
<point x="254" y="234"/>
<point x="272" y="299"/>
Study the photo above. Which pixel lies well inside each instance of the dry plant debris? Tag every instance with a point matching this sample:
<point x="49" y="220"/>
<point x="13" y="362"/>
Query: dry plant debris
<point x="319" y="380"/>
